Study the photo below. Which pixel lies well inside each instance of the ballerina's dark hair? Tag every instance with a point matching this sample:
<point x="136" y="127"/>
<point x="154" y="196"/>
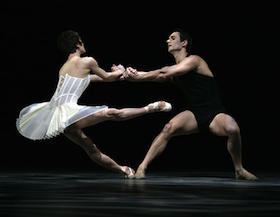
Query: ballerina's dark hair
<point x="185" y="36"/>
<point x="67" y="41"/>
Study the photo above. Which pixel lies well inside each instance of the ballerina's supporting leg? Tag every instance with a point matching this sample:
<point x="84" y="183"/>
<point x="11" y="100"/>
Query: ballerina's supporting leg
<point x="94" y="153"/>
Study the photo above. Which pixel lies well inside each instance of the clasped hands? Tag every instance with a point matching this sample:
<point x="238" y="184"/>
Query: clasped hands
<point x="125" y="73"/>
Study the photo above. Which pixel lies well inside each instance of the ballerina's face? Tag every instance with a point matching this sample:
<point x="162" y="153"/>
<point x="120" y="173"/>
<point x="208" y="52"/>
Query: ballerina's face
<point x="81" y="47"/>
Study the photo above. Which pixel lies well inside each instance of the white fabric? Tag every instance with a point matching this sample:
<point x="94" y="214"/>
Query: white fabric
<point x="48" y="119"/>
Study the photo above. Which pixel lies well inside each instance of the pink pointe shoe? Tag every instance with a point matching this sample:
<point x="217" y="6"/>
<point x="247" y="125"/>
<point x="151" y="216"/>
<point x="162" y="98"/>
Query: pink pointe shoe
<point x="130" y="175"/>
<point x="159" y="106"/>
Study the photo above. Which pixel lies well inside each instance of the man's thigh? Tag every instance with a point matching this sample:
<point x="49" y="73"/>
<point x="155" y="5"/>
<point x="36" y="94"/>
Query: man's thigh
<point x="184" y="123"/>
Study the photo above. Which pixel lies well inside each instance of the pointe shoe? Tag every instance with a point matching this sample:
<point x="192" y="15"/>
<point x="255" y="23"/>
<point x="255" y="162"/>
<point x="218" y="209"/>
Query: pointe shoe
<point x="131" y="175"/>
<point x="244" y="174"/>
<point x="156" y="107"/>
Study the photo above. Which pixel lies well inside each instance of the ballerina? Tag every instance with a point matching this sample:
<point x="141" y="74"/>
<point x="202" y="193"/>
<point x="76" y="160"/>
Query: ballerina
<point x="62" y="114"/>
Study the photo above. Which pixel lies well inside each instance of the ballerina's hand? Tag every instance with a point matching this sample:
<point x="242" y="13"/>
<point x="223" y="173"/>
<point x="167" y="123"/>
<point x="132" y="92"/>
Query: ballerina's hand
<point x="130" y="73"/>
<point x="118" y="67"/>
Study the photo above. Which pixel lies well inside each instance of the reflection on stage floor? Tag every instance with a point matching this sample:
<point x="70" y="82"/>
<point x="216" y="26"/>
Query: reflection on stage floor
<point x="64" y="193"/>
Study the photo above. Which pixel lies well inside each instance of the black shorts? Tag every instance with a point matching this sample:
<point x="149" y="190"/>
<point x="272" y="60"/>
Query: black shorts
<point x="205" y="117"/>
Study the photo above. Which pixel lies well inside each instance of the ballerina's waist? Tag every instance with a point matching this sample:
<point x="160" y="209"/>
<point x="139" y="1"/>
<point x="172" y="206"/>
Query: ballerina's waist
<point x="64" y="98"/>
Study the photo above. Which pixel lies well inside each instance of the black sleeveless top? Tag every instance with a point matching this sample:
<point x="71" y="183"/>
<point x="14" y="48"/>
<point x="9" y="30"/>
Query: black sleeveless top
<point x="203" y="97"/>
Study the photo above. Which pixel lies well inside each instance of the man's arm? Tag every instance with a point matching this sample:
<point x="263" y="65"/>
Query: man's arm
<point x="135" y="76"/>
<point x="185" y="66"/>
<point x="165" y="73"/>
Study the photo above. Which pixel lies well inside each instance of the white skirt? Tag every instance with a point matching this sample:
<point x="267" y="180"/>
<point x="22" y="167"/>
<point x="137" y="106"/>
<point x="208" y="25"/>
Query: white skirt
<point x="42" y="121"/>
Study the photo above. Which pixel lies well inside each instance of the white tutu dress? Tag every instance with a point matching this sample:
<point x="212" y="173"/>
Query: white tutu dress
<point x="48" y="119"/>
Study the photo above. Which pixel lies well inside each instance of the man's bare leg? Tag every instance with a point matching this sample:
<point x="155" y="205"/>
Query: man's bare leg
<point x="224" y="125"/>
<point x="182" y="124"/>
<point x="157" y="147"/>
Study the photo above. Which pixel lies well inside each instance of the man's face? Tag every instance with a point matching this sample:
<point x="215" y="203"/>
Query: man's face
<point x="174" y="43"/>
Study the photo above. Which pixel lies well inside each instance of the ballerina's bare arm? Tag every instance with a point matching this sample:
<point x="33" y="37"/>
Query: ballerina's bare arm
<point x="99" y="74"/>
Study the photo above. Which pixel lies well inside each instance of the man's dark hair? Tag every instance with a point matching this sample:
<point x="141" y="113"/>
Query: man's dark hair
<point x="67" y="41"/>
<point x="185" y="36"/>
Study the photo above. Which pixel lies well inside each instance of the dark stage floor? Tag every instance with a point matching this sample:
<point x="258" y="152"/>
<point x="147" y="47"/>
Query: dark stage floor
<point x="34" y="194"/>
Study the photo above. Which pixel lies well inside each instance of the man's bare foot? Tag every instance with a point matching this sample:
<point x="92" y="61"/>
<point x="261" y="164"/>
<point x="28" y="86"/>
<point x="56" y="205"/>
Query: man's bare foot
<point x="129" y="173"/>
<point x="244" y="174"/>
<point x="159" y="106"/>
<point x="140" y="174"/>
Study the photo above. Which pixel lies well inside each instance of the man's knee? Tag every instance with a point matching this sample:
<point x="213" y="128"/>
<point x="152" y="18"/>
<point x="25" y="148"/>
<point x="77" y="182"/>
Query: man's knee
<point x="232" y="128"/>
<point x="168" y="129"/>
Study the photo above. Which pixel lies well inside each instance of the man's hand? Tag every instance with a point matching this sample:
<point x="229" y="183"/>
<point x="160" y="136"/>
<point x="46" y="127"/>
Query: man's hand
<point x="130" y="74"/>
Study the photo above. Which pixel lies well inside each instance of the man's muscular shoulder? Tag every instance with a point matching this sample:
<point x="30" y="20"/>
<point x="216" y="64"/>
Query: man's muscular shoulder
<point x="189" y="63"/>
<point x="194" y="59"/>
<point x="201" y="65"/>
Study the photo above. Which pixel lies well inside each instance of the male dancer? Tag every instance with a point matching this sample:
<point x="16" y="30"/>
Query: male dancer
<point x="206" y="112"/>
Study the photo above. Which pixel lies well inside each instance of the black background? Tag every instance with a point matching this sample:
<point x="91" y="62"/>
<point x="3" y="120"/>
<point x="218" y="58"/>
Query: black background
<point x="238" y="42"/>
